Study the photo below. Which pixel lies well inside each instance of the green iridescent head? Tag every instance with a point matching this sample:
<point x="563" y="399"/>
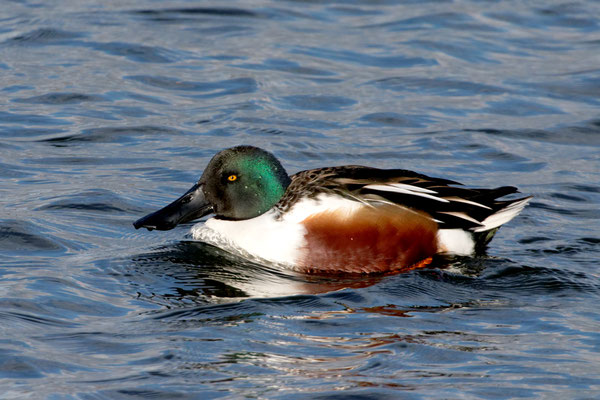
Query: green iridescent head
<point x="243" y="182"/>
<point x="238" y="183"/>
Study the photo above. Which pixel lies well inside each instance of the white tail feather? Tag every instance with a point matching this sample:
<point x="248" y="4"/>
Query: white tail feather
<point x="502" y="216"/>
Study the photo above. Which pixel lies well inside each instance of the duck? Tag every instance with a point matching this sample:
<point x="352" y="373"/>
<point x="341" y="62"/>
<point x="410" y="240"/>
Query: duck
<point x="344" y="219"/>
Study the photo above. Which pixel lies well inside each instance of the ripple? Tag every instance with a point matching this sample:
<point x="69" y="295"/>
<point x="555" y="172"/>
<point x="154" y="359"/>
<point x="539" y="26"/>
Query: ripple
<point x="23" y="367"/>
<point x="9" y="171"/>
<point x="45" y="36"/>
<point x="585" y="212"/>
<point x="98" y="200"/>
<point x="77" y="161"/>
<point x="568" y="197"/>
<point x="271" y="131"/>
<point x="304" y="128"/>
<point x="397" y="120"/>
<point x="450" y="20"/>
<point x="59" y="98"/>
<point x="29" y="119"/>
<point x="123" y="94"/>
<point x="214" y="89"/>
<point x="230" y="314"/>
<point x="577" y="247"/>
<point x="583" y="90"/>
<point x="590" y="240"/>
<point x="24" y="133"/>
<point x="91" y="343"/>
<point x="539" y="280"/>
<point x="559" y="15"/>
<point x="226" y="31"/>
<point x="173" y="14"/>
<point x="438" y="86"/>
<point x="16" y="88"/>
<point x="112" y="135"/>
<point x="317" y="103"/>
<point x="23" y="236"/>
<point x="137" y="52"/>
<point x="381" y="61"/>
<point x="587" y="134"/>
<point x="472" y="51"/>
<point x="286" y="66"/>
<point x="26" y="318"/>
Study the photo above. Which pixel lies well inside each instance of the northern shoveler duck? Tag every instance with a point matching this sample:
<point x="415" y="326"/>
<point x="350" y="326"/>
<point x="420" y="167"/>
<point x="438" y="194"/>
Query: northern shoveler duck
<point x="347" y="219"/>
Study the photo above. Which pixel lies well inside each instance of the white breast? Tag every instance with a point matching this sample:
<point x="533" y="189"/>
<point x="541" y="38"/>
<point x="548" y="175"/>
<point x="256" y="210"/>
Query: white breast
<point x="276" y="240"/>
<point x="263" y="237"/>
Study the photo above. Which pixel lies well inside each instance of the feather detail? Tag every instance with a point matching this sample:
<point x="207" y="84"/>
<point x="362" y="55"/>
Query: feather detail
<point x="461" y="215"/>
<point x="503" y="215"/>
<point x="465" y="201"/>
<point x="404" y="189"/>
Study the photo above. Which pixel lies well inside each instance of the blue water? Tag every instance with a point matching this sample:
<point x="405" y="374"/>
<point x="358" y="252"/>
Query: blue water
<point x="111" y="109"/>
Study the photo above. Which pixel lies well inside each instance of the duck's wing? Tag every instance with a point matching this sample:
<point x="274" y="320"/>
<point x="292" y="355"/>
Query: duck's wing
<point x="447" y="202"/>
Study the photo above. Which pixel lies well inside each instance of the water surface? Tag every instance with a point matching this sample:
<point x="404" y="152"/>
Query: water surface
<point x="112" y="109"/>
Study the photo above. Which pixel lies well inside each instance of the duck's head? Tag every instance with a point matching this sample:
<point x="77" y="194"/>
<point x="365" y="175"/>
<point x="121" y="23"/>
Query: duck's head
<point x="238" y="183"/>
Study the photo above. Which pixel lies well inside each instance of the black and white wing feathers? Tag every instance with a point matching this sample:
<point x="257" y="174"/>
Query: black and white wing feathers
<point x="447" y="202"/>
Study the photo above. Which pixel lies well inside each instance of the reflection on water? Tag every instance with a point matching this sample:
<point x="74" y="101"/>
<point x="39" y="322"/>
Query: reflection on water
<point x="213" y="273"/>
<point x="203" y="272"/>
<point x="110" y="109"/>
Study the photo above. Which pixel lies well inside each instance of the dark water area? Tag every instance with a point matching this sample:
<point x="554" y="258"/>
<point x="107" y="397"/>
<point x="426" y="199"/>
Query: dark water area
<point x="111" y="109"/>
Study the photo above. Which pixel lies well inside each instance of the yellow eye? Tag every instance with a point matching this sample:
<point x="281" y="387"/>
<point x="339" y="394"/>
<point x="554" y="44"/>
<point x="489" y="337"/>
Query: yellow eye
<point x="232" y="178"/>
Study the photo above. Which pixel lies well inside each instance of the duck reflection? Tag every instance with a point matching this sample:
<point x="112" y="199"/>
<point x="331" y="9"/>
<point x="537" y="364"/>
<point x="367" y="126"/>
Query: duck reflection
<point x="196" y="269"/>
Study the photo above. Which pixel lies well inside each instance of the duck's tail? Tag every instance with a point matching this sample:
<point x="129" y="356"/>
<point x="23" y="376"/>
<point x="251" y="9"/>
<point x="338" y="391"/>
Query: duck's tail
<point x="461" y="241"/>
<point x="489" y="226"/>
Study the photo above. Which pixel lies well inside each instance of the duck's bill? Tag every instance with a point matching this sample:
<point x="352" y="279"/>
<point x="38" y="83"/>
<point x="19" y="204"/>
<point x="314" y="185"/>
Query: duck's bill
<point x="192" y="205"/>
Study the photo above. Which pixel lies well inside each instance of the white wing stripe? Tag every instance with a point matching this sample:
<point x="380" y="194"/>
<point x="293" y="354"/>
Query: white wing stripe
<point x="412" y="188"/>
<point x="460" y="215"/>
<point x="405" y="190"/>
<point x="461" y="200"/>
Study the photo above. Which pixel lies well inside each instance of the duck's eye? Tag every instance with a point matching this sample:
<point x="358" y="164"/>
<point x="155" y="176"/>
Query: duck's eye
<point x="232" y="178"/>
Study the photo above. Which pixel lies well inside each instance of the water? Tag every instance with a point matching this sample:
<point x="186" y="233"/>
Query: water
<point x="112" y="109"/>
